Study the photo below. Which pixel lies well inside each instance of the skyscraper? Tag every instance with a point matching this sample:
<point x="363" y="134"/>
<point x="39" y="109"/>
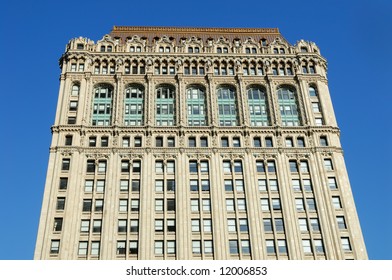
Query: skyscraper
<point x="196" y="143"/>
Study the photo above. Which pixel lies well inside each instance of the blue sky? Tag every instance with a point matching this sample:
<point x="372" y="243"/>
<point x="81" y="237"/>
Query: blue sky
<point x="354" y="36"/>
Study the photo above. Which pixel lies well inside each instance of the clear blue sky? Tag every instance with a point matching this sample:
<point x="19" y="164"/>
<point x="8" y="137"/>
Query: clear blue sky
<point x="354" y="36"/>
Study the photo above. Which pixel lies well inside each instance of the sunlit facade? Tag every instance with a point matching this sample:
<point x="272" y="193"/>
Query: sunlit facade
<point x="196" y="143"/>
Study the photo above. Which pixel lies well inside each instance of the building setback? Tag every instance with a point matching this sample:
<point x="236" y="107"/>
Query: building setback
<point x="196" y="143"/>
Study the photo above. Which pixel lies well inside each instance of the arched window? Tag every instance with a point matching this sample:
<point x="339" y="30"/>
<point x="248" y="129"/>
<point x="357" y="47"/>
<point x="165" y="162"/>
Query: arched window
<point x="133" y="113"/>
<point x="102" y="105"/>
<point x="227" y="106"/>
<point x="165" y="106"/>
<point x="312" y="91"/>
<point x="258" y="109"/>
<point x="196" y="106"/>
<point x="75" y="90"/>
<point x="288" y="106"/>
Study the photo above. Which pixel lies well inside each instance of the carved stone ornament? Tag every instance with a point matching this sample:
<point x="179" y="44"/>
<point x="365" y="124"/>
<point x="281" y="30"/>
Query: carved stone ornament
<point x="265" y="156"/>
<point x="67" y="152"/>
<point x="326" y="153"/>
<point x="233" y="156"/>
<point x="131" y="156"/>
<point x="165" y="156"/>
<point x="200" y="156"/>
<point x="299" y="156"/>
<point x="97" y="156"/>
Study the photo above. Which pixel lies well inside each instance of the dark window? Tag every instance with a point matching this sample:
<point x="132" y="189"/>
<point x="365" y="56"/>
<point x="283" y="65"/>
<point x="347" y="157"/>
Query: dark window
<point x="60" y="205"/>
<point x="203" y="142"/>
<point x="68" y="140"/>
<point x="135" y="185"/>
<point x="71" y="120"/>
<point x="171" y="225"/>
<point x="271" y="167"/>
<point x="65" y="164"/>
<point x="63" y="183"/>
<point x="224" y="142"/>
<point x="257" y="142"/>
<point x="90" y="165"/>
<point x="133" y="247"/>
<point x="301" y="142"/>
<point x="268" y="142"/>
<point x="236" y="142"/>
<point x="58" y="224"/>
<point x="159" y="142"/>
<point x="104" y="141"/>
<point x="260" y="166"/>
<point x="138" y="141"/>
<point x="124" y="166"/>
<point x="87" y="204"/>
<point x="228" y="185"/>
<point x="237" y="166"/>
<point x="171" y="142"/>
<point x="192" y="142"/>
<point x="193" y="166"/>
<point x="323" y="141"/>
<point x="98" y="205"/>
<point x="171" y="205"/>
<point x="171" y="185"/>
<point x="136" y="166"/>
<point x="92" y="141"/>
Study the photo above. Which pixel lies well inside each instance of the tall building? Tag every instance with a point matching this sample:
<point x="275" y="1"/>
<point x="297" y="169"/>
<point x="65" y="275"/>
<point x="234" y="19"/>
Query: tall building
<point x="196" y="143"/>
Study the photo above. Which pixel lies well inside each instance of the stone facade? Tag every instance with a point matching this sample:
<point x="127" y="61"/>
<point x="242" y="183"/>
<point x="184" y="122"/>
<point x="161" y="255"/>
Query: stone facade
<point x="196" y="143"/>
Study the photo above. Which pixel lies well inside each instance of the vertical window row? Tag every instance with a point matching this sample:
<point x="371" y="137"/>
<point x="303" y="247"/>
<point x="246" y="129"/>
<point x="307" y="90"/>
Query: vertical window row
<point x="237" y="218"/>
<point x="73" y="103"/>
<point x="102" y="105"/>
<point x="316" y="106"/>
<point x="337" y="204"/>
<point x="288" y="106"/>
<point x="196" y="106"/>
<point x="60" y="205"/>
<point x="128" y="208"/>
<point x="305" y="203"/>
<point x="258" y="108"/>
<point x="165" y="106"/>
<point x="200" y="203"/>
<point x="133" y="102"/>
<point x="270" y="203"/>
<point x="227" y="106"/>
<point x="165" y="208"/>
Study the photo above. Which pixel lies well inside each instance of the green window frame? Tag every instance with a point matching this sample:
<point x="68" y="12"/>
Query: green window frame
<point x="165" y="106"/>
<point x="288" y="107"/>
<point x="133" y="105"/>
<point x="227" y="107"/>
<point x="196" y="106"/>
<point x="102" y="105"/>
<point x="258" y="109"/>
